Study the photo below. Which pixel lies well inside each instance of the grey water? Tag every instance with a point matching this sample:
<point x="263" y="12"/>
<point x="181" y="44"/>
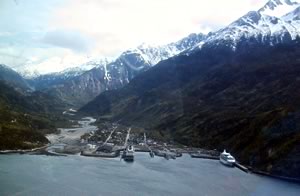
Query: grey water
<point x="76" y="175"/>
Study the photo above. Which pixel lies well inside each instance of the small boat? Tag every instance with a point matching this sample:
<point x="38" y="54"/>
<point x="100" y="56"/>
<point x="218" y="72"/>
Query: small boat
<point x="128" y="154"/>
<point x="151" y="154"/>
<point x="167" y="156"/>
<point x="178" y="154"/>
<point x="227" y="159"/>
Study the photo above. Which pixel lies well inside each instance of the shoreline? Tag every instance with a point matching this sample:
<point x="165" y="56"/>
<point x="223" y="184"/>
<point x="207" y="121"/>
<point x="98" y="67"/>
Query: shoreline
<point x="284" y="178"/>
<point x="23" y="151"/>
<point x="193" y="152"/>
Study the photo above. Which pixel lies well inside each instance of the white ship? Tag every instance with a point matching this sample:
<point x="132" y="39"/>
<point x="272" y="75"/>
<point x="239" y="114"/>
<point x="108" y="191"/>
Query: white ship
<point x="227" y="159"/>
<point x="128" y="154"/>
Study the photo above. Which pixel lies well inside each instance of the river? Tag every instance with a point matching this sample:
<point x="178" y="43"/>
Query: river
<point x="72" y="136"/>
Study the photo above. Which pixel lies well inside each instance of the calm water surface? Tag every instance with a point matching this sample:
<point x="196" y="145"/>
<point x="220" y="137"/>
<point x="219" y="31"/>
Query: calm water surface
<point x="75" y="175"/>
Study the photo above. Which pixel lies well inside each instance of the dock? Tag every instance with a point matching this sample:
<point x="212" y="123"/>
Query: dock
<point x="165" y="153"/>
<point x="204" y="156"/>
<point x="128" y="152"/>
<point x="241" y="167"/>
<point x="100" y="154"/>
<point x="105" y="150"/>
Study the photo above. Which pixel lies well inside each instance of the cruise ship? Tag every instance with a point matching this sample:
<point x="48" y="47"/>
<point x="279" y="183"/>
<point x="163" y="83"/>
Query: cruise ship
<point x="128" y="154"/>
<point x="227" y="159"/>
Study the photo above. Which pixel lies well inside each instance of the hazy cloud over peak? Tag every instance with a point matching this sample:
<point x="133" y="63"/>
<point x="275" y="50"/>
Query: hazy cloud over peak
<point x="73" y="40"/>
<point x="66" y="31"/>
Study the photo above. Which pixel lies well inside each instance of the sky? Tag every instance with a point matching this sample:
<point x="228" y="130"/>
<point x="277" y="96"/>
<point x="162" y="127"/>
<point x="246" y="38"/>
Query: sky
<point x="51" y="35"/>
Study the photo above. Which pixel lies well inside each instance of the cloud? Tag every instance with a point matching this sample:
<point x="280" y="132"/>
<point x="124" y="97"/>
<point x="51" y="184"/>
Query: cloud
<point x="60" y="32"/>
<point x="73" y="40"/>
<point x="54" y="63"/>
<point x="151" y="21"/>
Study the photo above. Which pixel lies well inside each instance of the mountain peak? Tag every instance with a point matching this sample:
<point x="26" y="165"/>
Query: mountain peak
<point x="279" y="8"/>
<point x="2" y="66"/>
<point x="292" y="16"/>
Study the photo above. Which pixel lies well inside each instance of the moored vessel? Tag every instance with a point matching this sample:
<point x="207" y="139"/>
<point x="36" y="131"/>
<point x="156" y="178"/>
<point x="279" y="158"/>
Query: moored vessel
<point x="227" y="159"/>
<point x="128" y="154"/>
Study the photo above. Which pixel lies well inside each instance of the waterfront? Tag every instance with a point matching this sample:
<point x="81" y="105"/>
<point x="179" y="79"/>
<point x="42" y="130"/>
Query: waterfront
<point x="77" y="175"/>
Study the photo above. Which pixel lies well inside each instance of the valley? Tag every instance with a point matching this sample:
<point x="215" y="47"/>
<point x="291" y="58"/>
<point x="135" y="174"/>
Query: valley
<point x="235" y="88"/>
<point x="213" y="103"/>
<point x="85" y="135"/>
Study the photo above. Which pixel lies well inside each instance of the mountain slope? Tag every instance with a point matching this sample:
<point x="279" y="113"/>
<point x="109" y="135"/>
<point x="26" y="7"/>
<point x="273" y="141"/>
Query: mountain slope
<point x="13" y="78"/>
<point x="245" y="100"/>
<point x="83" y="88"/>
<point x="276" y="22"/>
<point x="50" y="80"/>
<point x="25" y="118"/>
<point x="278" y="8"/>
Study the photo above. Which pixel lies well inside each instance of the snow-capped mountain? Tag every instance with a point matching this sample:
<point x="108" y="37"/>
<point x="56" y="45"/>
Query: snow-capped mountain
<point x="91" y="64"/>
<point x="14" y="79"/>
<point x="30" y="72"/>
<point x="293" y="17"/>
<point x="53" y="79"/>
<point x="278" y="8"/>
<point x="108" y="76"/>
<point x="146" y="56"/>
<point x="277" y="21"/>
<point x="134" y="61"/>
<point x="120" y="71"/>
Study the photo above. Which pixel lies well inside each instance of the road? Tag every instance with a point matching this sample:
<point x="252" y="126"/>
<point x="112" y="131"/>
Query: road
<point x="108" y="138"/>
<point x="127" y="137"/>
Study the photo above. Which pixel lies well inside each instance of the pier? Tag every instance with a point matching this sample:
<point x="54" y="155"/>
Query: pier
<point x="128" y="152"/>
<point x="204" y="156"/>
<point x="241" y="167"/>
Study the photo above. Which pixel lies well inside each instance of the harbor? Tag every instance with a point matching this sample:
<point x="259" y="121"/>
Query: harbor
<point x="114" y="141"/>
<point x="109" y="145"/>
<point x="78" y="175"/>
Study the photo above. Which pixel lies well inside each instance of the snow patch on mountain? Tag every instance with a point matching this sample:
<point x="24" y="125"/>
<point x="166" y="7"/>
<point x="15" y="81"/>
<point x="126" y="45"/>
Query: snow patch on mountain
<point x="30" y="72"/>
<point x="278" y="21"/>
<point x="278" y="8"/>
<point x="151" y="55"/>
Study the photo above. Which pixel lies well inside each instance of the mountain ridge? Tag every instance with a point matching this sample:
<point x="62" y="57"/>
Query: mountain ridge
<point x="14" y="79"/>
<point x="82" y="88"/>
<point x="243" y="100"/>
<point x="260" y="26"/>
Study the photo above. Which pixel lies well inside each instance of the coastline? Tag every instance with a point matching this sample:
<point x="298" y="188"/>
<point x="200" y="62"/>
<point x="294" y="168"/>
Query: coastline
<point x="86" y="127"/>
<point x="23" y="151"/>
<point x="284" y="178"/>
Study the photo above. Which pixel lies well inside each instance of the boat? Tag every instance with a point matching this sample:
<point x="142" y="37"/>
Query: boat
<point x="227" y="159"/>
<point x="178" y="154"/>
<point x="128" y="154"/>
<point x="151" y="154"/>
<point x="159" y="153"/>
<point x="167" y="156"/>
